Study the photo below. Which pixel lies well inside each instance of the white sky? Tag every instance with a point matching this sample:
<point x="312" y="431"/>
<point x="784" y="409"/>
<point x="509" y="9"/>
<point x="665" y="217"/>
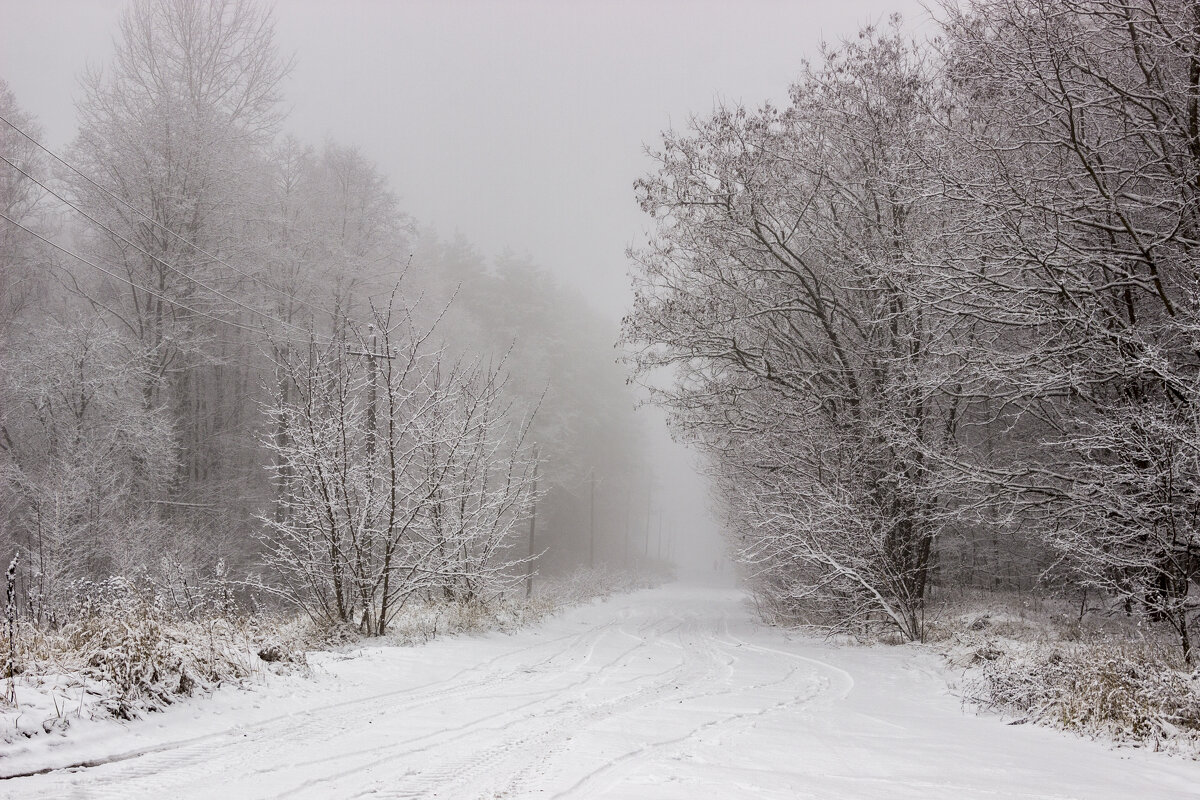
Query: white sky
<point x="519" y="124"/>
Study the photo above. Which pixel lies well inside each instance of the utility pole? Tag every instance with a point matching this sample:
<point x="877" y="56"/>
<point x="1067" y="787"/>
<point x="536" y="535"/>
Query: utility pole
<point x="532" y="526"/>
<point x="372" y="379"/>
<point x="649" y="492"/>
<point x="660" y="516"/>
<point x="592" y="521"/>
<point x="628" y="513"/>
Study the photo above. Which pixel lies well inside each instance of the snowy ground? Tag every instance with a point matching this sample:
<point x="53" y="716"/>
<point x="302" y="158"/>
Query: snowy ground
<point x="668" y="693"/>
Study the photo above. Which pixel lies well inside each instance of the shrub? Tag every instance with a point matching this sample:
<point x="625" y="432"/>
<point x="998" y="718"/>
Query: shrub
<point x="1132" y="693"/>
<point x="132" y="647"/>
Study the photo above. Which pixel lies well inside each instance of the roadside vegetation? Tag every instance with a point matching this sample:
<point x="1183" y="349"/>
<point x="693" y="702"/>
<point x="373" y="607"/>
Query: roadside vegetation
<point x="1072" y="663"/>
<point x="933" y="320"/>
<point x="127" y="650"/>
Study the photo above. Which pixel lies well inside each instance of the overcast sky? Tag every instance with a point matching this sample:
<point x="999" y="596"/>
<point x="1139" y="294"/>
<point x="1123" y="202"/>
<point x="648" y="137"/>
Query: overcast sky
<point x="519" y="124"/>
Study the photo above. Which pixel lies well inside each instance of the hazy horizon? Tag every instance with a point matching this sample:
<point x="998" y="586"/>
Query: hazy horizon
<point x="520" y="126"/>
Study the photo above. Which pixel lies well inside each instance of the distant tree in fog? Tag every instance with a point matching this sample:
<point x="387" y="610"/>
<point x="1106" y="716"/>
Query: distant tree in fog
<point x="174" y="134"/>
<point x="22" y="277"/>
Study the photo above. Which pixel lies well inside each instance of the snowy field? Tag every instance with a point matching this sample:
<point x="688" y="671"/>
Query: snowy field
<point x="668" y="693"/>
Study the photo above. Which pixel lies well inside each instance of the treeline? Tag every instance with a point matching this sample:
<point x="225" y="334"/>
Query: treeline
<point x="935" y="321"/>
<point x="229" y="355"/>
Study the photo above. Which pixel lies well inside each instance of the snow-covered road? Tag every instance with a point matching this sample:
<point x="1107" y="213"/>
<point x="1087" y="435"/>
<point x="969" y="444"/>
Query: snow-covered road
<point x="668" y="693"/>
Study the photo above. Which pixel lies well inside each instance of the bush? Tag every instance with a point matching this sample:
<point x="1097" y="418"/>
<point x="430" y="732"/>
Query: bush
<point x="132" y="649"/>
<point x="586" y="584"/>
<point x="1133" y="693"/>
<point x="1089" y="668"/>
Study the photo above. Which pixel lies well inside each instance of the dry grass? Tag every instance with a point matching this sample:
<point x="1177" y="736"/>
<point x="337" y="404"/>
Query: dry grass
<point x="1099" y="673"/>
<point x="136" y="655"/>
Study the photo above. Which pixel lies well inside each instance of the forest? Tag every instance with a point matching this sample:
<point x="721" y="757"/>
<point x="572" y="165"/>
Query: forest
<point x="934" y="320"/>
<point x="930" y="324"/>
<point x="237" y="373"/>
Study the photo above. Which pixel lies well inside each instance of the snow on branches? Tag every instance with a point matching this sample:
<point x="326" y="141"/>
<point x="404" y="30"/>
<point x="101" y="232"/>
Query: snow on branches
<point x="782" y="290"/>
<point x="949" y="291"/>
<point x="401" y="474"/>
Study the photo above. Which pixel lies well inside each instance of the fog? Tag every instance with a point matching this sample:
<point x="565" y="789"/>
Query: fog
<point x="519" y="126"/>
<point x="565" y="398"/>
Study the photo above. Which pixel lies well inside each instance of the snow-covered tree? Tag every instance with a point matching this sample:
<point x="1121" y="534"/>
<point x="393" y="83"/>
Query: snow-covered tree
<point x="170" y="152"/>
<point x="1073" y="185"/>
<point x="785" y="288"/>
<point x="80" y="455"/>
<point x="399" y="472"/>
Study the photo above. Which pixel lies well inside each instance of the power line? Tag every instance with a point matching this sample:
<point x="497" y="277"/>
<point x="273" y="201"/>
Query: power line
<point x="312" y="337"/>
<point x="154" y="222"/>
<point x="125" y="280"/>
<point x="146" y="253"/>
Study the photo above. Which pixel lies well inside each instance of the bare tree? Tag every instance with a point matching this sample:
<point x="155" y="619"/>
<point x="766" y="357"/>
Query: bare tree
<point x="1073" y="181"/>
<point x="785" y="288"/>
<point x="399" y="475"/>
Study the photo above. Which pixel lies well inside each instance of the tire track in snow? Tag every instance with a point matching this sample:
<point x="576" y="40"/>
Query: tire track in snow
<point x="312" y="724"/>
<point x="277" y="744"/>
<point x="454" y="772"/>
<point x="653" y="747"/>
<point x="717" y="643"/>
<point x="529" y="710"/>
<point x="680" y="693"/>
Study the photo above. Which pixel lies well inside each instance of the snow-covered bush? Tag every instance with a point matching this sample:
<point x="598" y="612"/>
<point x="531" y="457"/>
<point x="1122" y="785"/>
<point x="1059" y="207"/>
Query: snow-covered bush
<point x="586" y="584"/>
<point x="1134" y="693"/>
<point x="134" y="652"/>
<point x="1074" y="663"/>
<point x="396" y="479"/>
<point x="128" y="639"/>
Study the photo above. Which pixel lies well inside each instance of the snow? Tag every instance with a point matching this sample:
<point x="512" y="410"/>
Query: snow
<point x="667" y="693"/>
